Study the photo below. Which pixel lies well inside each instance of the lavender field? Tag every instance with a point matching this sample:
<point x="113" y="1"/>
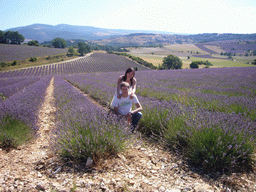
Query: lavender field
<point x="228" y="46"/>
<point x="183" y="106"/>
<point x="10" y="52"/>
<point x="222" y="89"/>
<point x="208" y="113"/>
<point x="97" y="62"/>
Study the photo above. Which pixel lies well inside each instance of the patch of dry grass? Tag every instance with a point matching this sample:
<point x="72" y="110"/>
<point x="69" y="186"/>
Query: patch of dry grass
<point x="155" y="55"/>
<point x="215" y="48"/>
<point x="40" y="61"/>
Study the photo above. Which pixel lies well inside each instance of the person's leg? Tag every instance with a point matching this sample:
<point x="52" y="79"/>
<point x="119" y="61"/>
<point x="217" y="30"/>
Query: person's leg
<point x="135" y="119"/>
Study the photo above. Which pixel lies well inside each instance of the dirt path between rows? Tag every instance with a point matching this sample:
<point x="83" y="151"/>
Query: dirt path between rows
<point x="88" y="96"/>
<point x="18" y="166"/>
<point x="143" y="166"/>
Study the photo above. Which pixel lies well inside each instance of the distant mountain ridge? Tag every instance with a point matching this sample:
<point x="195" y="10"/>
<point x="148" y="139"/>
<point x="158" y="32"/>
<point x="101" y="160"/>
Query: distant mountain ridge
<point x="121" y="37"/>
<point x="44" y="32"/>
<point x="142" y="39"/>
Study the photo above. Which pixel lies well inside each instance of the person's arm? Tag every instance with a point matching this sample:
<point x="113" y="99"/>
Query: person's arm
<point x="138" y="109"/>
<point x="134" y="82"/>
<point x="116" y="111"/>
<point x="134" y="86"/>
<point x="118" y="87"/>
<point x="115" y="105"/>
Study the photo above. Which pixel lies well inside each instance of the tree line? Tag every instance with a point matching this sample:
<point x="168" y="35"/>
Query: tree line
<point x="11" y="37"/>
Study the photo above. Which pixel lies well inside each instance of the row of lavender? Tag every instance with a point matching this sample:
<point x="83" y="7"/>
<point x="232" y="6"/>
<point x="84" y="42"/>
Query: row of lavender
<point x="84" y="129"/>
<point x="25" y="101"/>
<point x="224" y="89"/>
<point x="97" y="62"/>
<point x="10" y="86"/>
<point x="210" y="112"/>
<point x="232" y="46"/>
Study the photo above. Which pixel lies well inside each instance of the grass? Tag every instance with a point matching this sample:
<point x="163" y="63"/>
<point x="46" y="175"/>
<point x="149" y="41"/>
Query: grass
<point x="156" y="55"/>
<point x="155" y="60"/>
<point x="244" y="59"/>
<point x="185" y="48"/>
<point x="39" y="61"/>
<point x="13" y="133"/>
<point x="221" y="63"/>
<point x="2" y="96"/>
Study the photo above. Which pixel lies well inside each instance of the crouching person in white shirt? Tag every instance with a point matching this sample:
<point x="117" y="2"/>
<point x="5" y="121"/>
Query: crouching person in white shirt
<point x="123" y="106"/>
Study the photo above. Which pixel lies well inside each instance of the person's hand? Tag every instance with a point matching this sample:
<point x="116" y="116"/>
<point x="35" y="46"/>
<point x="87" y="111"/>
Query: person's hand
<point x="128" y="117"/>
<point x="132" y="96"/>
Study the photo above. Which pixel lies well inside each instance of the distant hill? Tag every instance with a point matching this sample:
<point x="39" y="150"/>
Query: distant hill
<point x="43" y="32"/>
<point x="143" y="39"/>
<point x="120" y="37"/>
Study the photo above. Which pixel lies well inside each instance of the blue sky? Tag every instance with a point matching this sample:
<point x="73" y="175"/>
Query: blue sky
<point x="179" y="16"/>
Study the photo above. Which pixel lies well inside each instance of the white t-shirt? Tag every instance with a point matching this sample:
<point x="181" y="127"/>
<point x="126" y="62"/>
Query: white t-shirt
<point x="124" y="104"/>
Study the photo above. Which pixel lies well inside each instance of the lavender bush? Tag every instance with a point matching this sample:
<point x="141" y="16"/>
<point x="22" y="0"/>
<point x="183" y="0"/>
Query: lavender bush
<point x="84" y="129"/>
<point x="218" y="149"/>
<point x="10" y="86"/>
<point x="19" y="113"/>
<point x="218" y="141"/>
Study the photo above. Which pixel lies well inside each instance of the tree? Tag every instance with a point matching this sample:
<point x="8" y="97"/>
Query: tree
<point x="1" y="36"/>
<point x="33" y="43"/>
<point x="254" y="52"/>
<point x="254" y="62"/>
<point x="194" y="65"/>
<point x="14" y="63"/>
<point x="83" y="48"/>
<point x="12" y="37"/>
<point x="71" y="51"/>
<point x="16" y="38"/>
<point x="7" y="37"/>
<point x="171" y="62"/>
<point x="59" y="43"/>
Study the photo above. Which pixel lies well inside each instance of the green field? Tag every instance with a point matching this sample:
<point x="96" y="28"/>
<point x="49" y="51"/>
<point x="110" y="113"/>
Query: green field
<point x="156" y="55"/>
<point x="216" y="62"/>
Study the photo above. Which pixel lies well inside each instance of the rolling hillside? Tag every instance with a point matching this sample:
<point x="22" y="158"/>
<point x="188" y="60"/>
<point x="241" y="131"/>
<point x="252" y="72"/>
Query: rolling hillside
<point x="43" y="32"/>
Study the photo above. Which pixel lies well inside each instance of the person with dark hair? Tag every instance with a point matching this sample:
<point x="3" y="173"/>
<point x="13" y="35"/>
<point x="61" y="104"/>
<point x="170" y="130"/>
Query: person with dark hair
<point x="123" y="106"/>
<point x="129" y="78"/>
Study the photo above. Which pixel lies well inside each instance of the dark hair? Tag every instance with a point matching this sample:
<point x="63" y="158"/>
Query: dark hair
<point x="125" y="84"/>
<point x="130" y="69"/>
